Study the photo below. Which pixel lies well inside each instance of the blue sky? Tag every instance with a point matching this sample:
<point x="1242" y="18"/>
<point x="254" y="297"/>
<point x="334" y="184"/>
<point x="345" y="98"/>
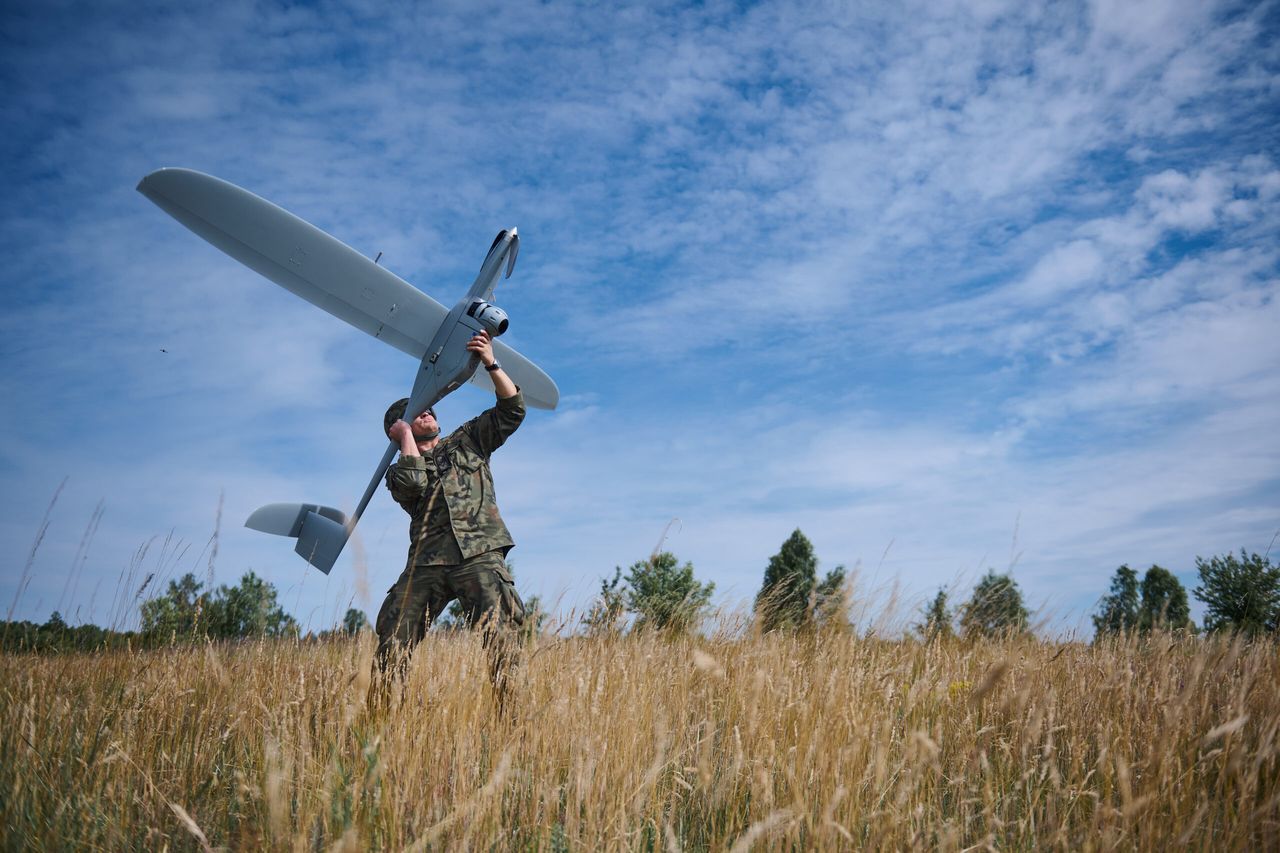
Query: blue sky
<point x="948" y="286"/>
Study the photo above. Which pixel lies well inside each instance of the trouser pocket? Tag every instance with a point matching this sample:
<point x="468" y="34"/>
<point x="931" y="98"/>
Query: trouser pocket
<point x="512" y="606"/>
<point x="488" y="592"/>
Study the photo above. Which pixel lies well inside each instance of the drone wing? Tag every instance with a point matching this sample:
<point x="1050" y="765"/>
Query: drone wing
<point x="321" y="269"/>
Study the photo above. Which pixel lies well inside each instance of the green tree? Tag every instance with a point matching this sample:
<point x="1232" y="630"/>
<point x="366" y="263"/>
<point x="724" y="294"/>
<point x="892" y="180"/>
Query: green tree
<point x="664" y="595"/>
<point x="56" y="635"/>
<point x="1240" y="595"/>
<point x="936" y="624"/>
<point x="354" y="621"/>
<point x="249" y="609"/>
<point x="789" y="580"/>
<point x="535" y="617"/>
<point x="995" y="609"/>
<point x="830" y="600"/>
<point x="1164" y="604"/>
<point x="56" y="623"/>
<point x="185" y="612"/>
<point x="1118" y="611"/>
<point x="175" y="614"/>
<point x="605" y="615"/>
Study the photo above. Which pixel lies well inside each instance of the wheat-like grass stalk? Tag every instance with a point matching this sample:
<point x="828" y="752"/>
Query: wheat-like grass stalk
<point x="815" y="741"/>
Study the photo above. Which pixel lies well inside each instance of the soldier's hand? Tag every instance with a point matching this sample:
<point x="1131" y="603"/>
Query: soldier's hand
<point x="398" y="431"/>
<point x="482" y="345"/>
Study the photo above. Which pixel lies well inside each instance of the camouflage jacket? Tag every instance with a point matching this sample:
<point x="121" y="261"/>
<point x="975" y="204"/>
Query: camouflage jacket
<point x="448" y="491"/>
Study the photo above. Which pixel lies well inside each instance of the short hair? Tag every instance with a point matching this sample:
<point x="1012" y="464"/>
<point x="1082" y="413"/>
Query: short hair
<point x="395" y="412"/>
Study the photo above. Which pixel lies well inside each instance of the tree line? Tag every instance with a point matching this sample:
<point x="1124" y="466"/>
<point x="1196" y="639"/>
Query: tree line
<point x="1241" y="595"/>
<point x="185" y="612"/>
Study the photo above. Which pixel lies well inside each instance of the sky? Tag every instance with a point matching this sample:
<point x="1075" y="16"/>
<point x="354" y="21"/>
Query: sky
<point x="948" y="286"/>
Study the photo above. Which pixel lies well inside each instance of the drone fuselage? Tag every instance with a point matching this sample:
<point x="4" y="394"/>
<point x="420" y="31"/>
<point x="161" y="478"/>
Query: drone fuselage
<point x="448" y="363"/>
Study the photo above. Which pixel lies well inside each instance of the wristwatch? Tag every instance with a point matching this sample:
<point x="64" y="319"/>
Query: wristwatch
<point x="494" y="366"/>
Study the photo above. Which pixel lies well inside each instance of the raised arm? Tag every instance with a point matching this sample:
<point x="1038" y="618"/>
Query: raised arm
<point x="482" y="345"/>
<point x="402" y="434"/>
<point x="407" y="479"/>
<point x="493" y="427"/>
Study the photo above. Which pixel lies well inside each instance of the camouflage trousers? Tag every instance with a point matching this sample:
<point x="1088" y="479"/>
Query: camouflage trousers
<point x="489" y="600"/>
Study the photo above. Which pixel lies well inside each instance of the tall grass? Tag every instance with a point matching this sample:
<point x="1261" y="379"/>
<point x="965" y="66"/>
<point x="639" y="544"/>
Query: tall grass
<point x="645" y="742"/>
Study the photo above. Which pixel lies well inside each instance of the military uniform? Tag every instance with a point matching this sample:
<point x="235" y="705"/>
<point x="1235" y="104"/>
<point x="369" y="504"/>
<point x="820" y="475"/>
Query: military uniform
<point x="457" y="539"/>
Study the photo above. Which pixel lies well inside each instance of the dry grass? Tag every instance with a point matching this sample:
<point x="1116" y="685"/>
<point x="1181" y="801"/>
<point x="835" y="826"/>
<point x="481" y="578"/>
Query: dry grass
<point x="640" y="742"/>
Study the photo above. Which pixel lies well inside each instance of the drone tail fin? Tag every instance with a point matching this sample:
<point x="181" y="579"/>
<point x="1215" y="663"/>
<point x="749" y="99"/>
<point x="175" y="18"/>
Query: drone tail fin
<point x="321" y="531"/>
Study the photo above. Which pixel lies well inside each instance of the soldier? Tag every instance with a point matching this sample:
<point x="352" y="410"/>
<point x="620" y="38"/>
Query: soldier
<point x="457" y="540"/>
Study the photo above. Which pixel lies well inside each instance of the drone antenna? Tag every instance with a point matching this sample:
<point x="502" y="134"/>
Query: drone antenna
<point x="375" y="260"/>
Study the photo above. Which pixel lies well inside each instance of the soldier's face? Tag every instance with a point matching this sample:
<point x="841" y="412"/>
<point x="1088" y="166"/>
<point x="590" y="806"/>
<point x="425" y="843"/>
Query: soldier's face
<point x="425" y="423"/>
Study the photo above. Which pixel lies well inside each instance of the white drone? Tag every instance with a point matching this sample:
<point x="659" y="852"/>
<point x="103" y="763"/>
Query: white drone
<point x="330" y="275"/>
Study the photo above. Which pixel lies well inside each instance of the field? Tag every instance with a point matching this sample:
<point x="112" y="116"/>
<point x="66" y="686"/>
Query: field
<point x="648" y="743"/>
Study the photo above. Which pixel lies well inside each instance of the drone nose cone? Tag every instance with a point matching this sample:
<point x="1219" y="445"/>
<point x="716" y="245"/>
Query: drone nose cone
<point x="514" y="233"/>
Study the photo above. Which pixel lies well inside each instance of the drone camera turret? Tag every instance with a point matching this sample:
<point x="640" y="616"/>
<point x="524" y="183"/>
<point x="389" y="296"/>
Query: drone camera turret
<point x="490" y="316"/>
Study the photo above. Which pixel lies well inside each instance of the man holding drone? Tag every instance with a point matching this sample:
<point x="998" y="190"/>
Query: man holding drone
<point x="457" y="539"/>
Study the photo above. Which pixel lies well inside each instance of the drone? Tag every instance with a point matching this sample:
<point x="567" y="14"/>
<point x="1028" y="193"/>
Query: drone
<point x="336" y="278"/>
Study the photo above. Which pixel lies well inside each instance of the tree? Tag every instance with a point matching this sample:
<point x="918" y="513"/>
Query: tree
<point x="1164" y="604"/>
<point x="56" y="635"/>
<point x="936" y="624"/>
<point x="789" y="580"/>
<point x="665" y="595"/>
<point x="605" y="615"/>
<point x="995" y="609"/>
<point x="175" y="614"/>
<point x="249" y="610"/>
<point x="535" y="617"/>
<point x="185" y="612"/>
<point x="830" y="600"/>
<point x="1118" y="611"/>
<point x="354" y="621"/>
<point x="1240" y="595"/>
